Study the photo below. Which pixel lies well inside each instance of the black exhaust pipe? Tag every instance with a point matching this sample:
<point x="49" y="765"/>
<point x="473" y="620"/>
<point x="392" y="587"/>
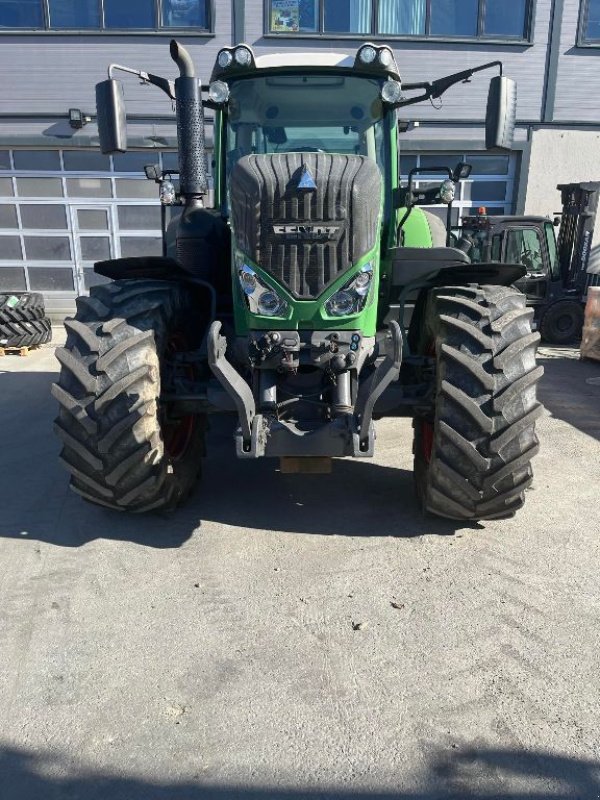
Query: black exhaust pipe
<point x="193" y="168"/>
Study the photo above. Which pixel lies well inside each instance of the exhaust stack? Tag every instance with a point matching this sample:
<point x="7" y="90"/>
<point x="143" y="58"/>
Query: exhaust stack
<point x="193" y="168"/>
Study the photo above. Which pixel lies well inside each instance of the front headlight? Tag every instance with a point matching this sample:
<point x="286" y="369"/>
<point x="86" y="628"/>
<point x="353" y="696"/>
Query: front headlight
<point x="260" y="299"/>
<point x="351" y="298"/>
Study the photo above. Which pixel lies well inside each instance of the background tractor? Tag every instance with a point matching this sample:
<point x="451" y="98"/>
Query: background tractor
<point x="557" y="277"/>
<point x="283" y="305"/>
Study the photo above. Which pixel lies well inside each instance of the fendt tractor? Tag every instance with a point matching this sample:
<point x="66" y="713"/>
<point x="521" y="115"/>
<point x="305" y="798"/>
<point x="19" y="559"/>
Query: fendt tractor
<point x="557" y="278"/>
<point x="283" y="305"/>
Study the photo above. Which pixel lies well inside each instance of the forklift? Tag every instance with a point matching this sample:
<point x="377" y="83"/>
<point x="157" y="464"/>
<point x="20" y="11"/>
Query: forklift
<point x="557" y="276"/>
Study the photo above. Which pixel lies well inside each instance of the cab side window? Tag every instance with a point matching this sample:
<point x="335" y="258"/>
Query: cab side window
<point x="496" y="254"/>
<point x="525" y="247"/>
<point x="552" y="251"/>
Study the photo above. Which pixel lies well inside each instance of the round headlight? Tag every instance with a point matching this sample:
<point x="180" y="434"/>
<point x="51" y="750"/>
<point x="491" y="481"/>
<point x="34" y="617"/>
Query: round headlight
<point x="224" y="59"/>
<point x="368" y="54"/>
<point x="167" y="193"/>
<point x="363" y="281"/>
<point x="243" y="56"/>
<point x="391" y="92"/>
<point x="269" y="304"/>
<point x="218" y="91"/>
<point x="341" y="303"/>
<point x="247" y="280"/>
<point x="385" y="57"/>
<point x="447" y="192"/>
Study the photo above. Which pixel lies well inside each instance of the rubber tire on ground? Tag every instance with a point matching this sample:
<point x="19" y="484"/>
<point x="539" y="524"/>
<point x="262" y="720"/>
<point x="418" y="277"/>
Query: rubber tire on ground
<point x="477" y="462"/>
<point x="25" y="333"/>
<point x="562" y="322"/>
<point x="22" y="320"/>
<point x="30" y="302"/>
<point x="109" y="421"/>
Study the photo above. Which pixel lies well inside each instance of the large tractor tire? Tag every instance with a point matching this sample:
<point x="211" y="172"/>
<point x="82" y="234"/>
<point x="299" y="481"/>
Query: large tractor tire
<point x="30" y="305"/>
<point x="122" y="447"/>
<point x="562" y="322"/>
<point x="22" y="320"/>
<point x="473" y="452"/>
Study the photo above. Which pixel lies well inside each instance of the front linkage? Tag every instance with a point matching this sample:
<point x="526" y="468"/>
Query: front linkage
<point x="349" y="432"/>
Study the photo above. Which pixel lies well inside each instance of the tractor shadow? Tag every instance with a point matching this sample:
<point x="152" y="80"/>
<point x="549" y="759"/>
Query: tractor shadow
<point x="360" y="498"/>
<point x="570" y="388"/>
<point x="480" y="773"/>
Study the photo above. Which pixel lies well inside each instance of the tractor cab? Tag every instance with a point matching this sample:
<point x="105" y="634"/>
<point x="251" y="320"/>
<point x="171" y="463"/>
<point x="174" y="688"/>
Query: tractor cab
<point x="557" y="277"/>
<point x="529" y="241"/>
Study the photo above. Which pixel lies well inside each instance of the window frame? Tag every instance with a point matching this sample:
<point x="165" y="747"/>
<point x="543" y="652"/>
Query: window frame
<point x="157" y="30"/>
<point x="582" y="40"/>
<point x="481" y="38"/>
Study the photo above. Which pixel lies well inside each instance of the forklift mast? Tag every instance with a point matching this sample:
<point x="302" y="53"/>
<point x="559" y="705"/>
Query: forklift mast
<point x="578" y="220"/>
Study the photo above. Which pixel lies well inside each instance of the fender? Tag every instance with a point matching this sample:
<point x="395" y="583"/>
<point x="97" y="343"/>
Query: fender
<point x="156" y="268"/>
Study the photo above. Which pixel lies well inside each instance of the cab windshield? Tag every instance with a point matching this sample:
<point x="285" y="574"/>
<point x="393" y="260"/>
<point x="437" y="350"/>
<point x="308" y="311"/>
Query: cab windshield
<point x="306" y="113"/>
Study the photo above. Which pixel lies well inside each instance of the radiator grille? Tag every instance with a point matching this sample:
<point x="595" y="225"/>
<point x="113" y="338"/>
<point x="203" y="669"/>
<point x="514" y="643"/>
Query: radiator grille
<point x="305" y="239"/>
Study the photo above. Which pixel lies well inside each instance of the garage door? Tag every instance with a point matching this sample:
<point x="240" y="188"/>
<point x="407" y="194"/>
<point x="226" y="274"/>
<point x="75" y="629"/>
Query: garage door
<point x="491" y="184"/>
<point x="62" y="210"/>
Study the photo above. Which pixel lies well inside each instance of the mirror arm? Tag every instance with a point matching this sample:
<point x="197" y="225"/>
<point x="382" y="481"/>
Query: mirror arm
<point x="437" y="88"/>
<point x="168" y="87"/>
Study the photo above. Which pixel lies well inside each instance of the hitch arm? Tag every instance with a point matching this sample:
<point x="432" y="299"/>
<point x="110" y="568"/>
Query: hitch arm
<point x="373" y="388"/>
<point x="233" y="383"/>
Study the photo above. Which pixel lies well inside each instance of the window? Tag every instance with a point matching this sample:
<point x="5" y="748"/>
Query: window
<point x="439" y="18"/>
<point x="491" y="183"/>
<point x="132" y="14"/>
<point x="21" y="14"/>
<point x="184" y="14"/>
<point x="37" y="160"/>
<point x="496" y="254"/>
<point x="552" y="251"/>
<point x="49" y="279"/>
<point x="347" y="109"/>
<point x="109" y="15"/>
<point x="589" y="27"/>
<point x="524" y="247"/>
<point x="12" y="279"/>
<point x="77" y="14"/>
<point x="86" y="161"/>
<point x="46" y="217"/>
<point x="47" y="248"/>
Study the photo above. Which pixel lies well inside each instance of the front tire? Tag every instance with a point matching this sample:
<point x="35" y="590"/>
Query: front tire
<point x="562" y="322"/>
<point x="473" y="451"/>
<point x="119" y="445"/>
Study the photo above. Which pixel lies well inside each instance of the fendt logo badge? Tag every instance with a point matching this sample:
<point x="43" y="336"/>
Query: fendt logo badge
<point x="307" y="232"/>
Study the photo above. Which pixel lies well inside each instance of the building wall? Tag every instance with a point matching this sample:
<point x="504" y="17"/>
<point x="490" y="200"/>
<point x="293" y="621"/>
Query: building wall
<point x="420" y="61"/>
<point x="578" y="75"/>
<point x="46" y="74"/>
<point x="562" y="156"/>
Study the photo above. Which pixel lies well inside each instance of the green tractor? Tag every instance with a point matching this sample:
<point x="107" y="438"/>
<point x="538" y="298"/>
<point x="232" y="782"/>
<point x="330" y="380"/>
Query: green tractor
<point x="284" y="304"/>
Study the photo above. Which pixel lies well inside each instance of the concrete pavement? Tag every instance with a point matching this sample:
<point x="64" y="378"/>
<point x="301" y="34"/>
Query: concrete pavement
<point x="299" y="636"/>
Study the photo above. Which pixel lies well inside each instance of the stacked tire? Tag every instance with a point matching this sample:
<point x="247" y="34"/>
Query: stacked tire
<point x="23" y="321"/>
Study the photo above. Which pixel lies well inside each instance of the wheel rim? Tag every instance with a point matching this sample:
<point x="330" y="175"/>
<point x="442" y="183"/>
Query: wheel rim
<point x="177" y="433"/>
<point x="565" y="323"/>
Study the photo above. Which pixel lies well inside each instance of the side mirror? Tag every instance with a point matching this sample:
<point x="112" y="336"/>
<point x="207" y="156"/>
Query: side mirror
<point x="501" y="115"/>
<point x="112" y="120"/>
<point x="461" y="171"/>
<point x="153" y="173"/>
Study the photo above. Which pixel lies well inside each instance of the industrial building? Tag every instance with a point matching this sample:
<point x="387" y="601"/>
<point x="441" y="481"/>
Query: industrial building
<point x="63" y="205"/>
